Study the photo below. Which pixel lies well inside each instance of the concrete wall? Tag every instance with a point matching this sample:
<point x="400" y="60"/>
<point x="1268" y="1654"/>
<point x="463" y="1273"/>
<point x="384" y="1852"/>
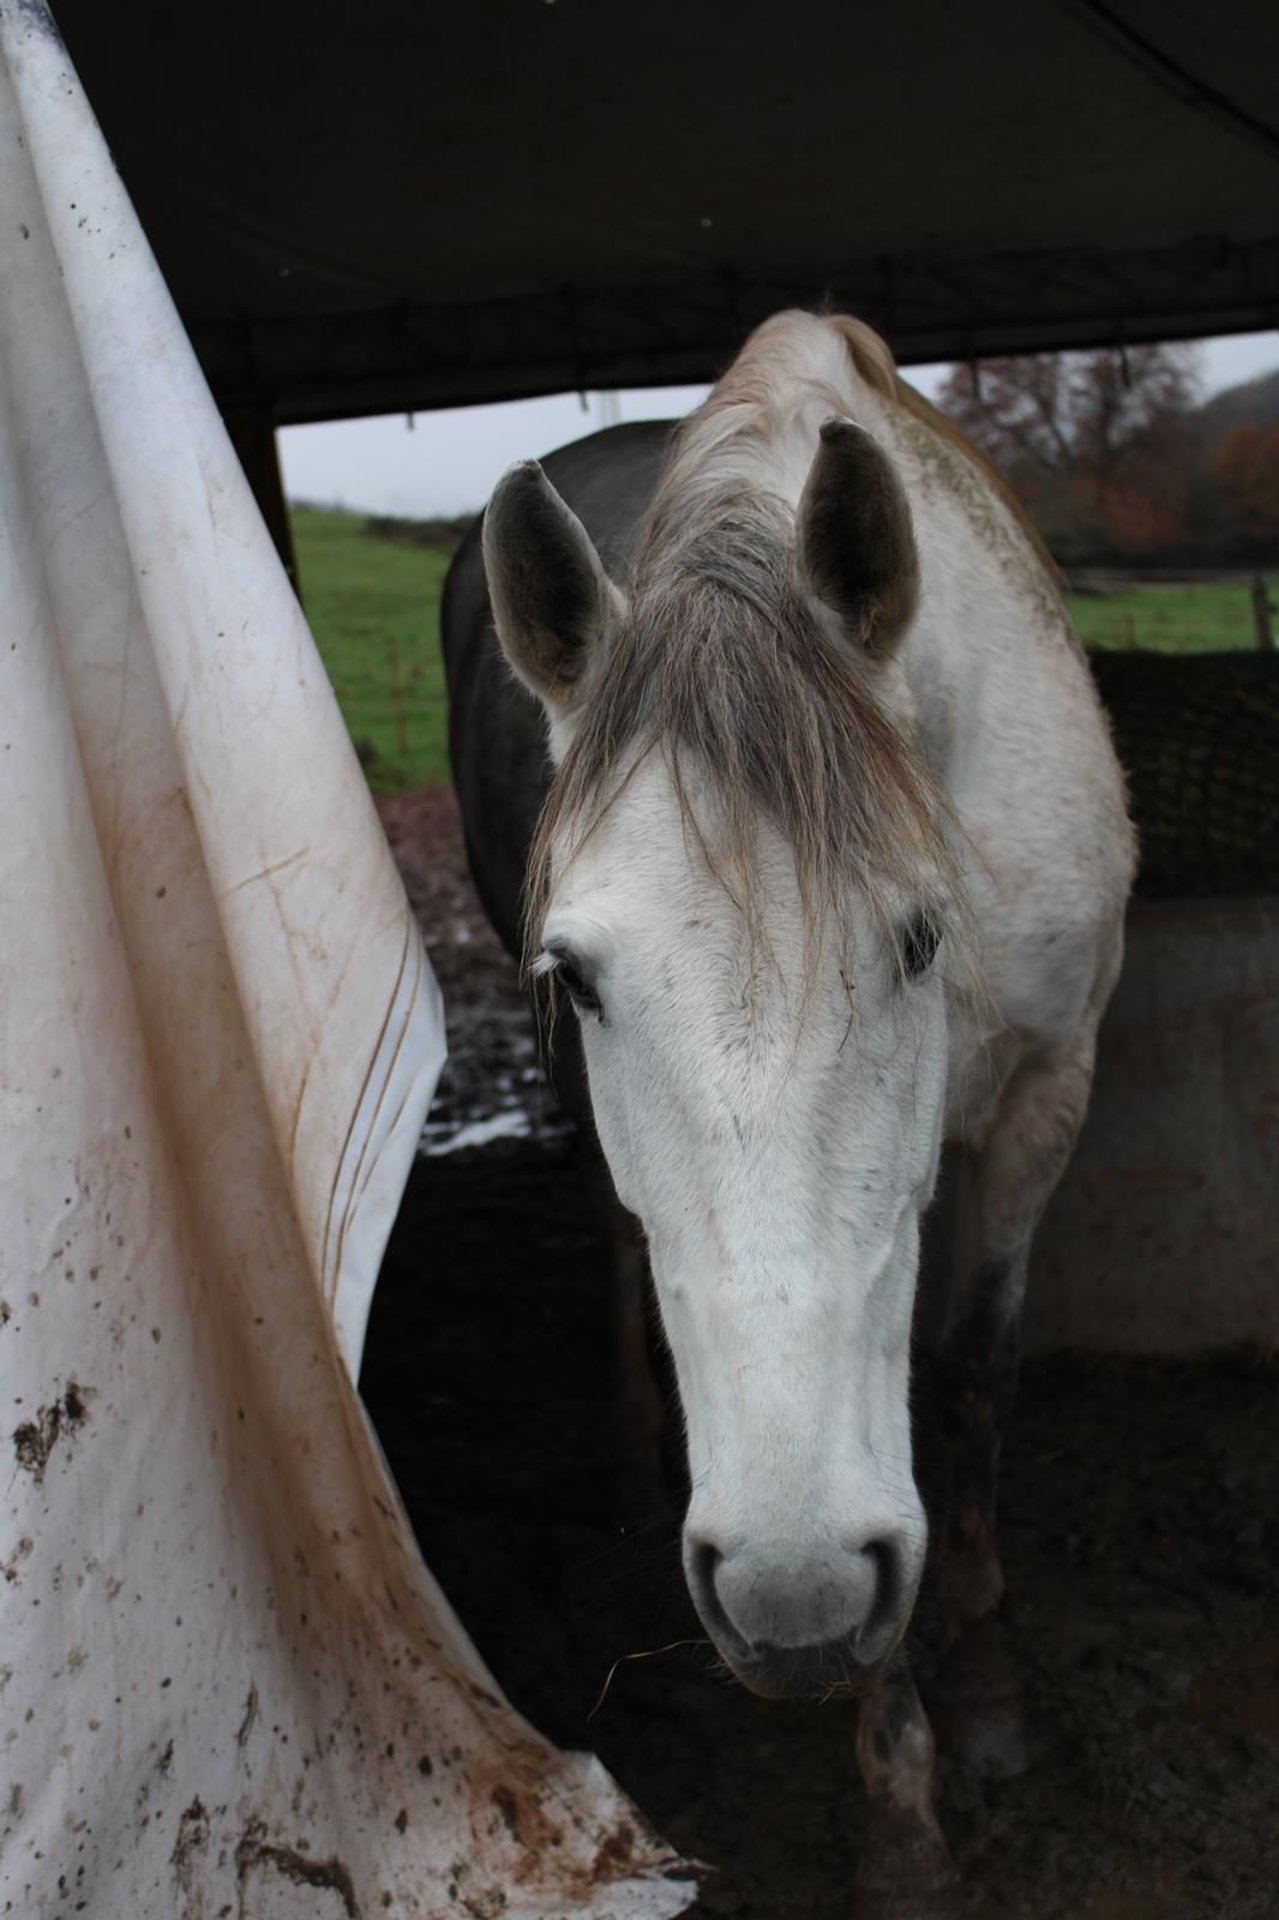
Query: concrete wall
<point x="1164" y="1235"/>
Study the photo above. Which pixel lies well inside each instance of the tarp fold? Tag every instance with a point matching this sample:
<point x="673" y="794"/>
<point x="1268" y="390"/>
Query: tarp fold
<point x="228" y="1685"/>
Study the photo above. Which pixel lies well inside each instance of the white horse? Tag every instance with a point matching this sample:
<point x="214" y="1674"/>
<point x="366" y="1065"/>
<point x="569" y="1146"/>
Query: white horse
<point x="833" y="867"/>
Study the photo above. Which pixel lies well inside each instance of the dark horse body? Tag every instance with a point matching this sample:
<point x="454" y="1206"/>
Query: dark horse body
<point x="494" y="722"/>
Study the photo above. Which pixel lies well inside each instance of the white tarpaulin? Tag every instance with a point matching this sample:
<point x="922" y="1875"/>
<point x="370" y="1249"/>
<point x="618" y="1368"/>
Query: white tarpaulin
<point x="228" y="1685"/>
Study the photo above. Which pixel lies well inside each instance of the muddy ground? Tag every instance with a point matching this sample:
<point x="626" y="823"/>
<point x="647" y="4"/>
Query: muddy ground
<point x="1140" y="1527"/>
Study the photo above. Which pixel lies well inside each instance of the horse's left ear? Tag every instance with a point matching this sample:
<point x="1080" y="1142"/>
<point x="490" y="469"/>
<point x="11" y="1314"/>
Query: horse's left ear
<point x="856" y="544"/>
<point x="553" y="603"/>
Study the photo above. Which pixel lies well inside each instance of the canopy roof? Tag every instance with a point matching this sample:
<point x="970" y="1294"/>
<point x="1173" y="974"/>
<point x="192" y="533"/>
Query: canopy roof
<point x="407" y="204"/>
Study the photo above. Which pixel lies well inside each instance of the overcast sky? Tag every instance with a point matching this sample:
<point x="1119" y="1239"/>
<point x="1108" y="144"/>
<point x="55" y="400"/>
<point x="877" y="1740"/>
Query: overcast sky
<point x="448" y="462"/>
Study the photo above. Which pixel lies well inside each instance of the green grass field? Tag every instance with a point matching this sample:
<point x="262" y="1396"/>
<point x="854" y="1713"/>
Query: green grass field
<point x="374" y="603"/>
<point x="1203" y="617"/>
<point x="374" y="608"/>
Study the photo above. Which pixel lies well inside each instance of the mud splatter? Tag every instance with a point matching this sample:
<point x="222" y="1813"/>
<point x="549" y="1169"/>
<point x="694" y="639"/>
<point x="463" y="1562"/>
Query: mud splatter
<point x="508" y="1806"/>
<point x="9" y="1568"/>
<point x="246" y="1725"/>
<point x="616" y="1855"/>
<point x="511" y="1789"/>
<point x="34" y="1440"/>
<point x="193" y="1838"/>
<point x="329" y="1876"/>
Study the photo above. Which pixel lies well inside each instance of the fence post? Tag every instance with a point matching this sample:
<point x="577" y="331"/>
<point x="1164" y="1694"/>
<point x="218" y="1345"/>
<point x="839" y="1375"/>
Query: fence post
<point x="1261" y="615"/>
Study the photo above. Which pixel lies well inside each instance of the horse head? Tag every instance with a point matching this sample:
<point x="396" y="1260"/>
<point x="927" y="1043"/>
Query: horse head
<point x="741" y="884"/>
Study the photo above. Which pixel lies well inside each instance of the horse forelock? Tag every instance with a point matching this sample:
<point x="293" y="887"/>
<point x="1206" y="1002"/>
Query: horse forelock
<point x="761" y="713"/>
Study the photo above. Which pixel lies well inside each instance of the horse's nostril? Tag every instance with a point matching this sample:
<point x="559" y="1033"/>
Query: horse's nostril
<point x="702" y="1563"/>
<point x="883" y="1621"/>
<point x="759" y="1601"/>
<point x="704" y="1560"/>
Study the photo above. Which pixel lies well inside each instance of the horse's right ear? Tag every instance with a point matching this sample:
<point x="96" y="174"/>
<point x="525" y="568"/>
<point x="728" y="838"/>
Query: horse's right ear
<point x="855" y="540"/>
<point x="553" y="603"/>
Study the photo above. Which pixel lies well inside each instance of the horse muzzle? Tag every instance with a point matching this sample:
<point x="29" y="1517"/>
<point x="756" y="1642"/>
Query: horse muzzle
<point x="792" y="1622"/>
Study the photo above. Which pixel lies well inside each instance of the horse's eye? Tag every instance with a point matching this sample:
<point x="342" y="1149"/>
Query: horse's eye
<point x="920" y="942"/>
<point x="575" y="984"/>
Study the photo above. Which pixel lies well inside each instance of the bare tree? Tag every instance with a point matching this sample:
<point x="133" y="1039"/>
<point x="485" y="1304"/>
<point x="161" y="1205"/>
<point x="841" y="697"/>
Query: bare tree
<point x="1098" y="443"/>
<point x="1248" y="472"/>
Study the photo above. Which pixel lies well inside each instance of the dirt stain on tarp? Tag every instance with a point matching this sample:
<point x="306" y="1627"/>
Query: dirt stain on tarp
<point x="9" y="1568"/>
<point x="246" y="1725"/>
<point x="256" y="1851"/>
<point x="34" y="1440"/>
<point x="506" y="1794"/>
<point x="512" y="1792"/>
<point x="188" y="1848"/>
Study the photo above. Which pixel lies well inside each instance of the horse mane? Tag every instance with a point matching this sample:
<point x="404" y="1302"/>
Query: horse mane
<point x="762" y="713"/>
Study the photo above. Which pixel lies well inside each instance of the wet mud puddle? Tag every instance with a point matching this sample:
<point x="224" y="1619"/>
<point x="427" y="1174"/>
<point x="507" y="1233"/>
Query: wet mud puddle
<point x="492" y="1087"/>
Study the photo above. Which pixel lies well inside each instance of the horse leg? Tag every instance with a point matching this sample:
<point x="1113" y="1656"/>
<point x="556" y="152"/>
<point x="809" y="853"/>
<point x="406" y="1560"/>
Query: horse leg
<point x="973" y="1694"/>
<point x="1003" y="1187"/>
<point x="905" y="1870"/>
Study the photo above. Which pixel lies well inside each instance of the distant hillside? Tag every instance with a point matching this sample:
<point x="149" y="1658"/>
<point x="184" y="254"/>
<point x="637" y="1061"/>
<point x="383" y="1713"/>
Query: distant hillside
<point x="1254" y="404"/>
<point x="1232" y="500"/>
